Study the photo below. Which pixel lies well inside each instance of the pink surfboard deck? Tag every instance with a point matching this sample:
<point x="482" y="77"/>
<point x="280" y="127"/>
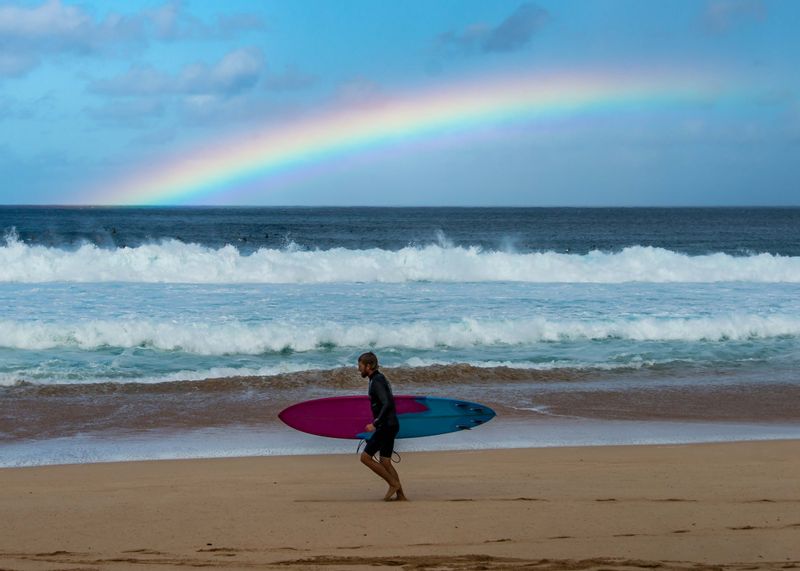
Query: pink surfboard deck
<point x="347" y="417"/>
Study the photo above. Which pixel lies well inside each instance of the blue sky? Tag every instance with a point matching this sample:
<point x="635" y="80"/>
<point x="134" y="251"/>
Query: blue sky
<point x="91" y="90"/>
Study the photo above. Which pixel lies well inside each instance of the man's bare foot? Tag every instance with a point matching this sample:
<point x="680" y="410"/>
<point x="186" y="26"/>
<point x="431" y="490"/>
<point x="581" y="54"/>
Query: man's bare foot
<point x="397" y="492"/>
<point x="392" y="491"/>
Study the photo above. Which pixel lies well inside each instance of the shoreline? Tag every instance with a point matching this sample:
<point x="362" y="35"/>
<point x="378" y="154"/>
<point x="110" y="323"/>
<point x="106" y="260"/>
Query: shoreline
<point x="731" y="505"/>
<point x="33" y="413"/>
<point x="277" y="440"/>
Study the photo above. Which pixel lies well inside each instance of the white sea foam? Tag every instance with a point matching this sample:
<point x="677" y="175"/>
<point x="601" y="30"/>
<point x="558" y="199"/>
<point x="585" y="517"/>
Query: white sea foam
<point x="249" y="339"/>
<point x="273" y="440"/>
<point x="172" y="261"/>
<point x="635" y="364"/>
<point x="34" y="375"/>
<point x="29" y="376"/>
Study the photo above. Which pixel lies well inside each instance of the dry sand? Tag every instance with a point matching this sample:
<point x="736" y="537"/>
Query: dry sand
<point x="733" y="505"/>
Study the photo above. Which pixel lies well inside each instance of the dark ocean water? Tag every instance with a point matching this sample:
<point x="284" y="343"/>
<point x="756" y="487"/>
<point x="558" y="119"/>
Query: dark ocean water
<point x="693" y="231"/>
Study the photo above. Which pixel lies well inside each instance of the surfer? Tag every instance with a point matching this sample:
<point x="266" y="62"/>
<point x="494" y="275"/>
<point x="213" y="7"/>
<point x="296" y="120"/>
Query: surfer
<point x="385" y="426"/>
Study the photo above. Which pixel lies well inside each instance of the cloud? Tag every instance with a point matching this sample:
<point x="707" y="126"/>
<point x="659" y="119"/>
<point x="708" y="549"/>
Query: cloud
<point x="131" y="113"/>
<point x="49" y="24"/>
<point x="30" y="34"/>
<point x="360" y="91"/>
<point x="230" y="25"/>
<point x="512" y="34"/>
<point x="289" y="80"/>
<point x="171" y="22"/>
<point x="153" y="139"/>
<point x="464" y="42"/>
<point x="723" y="15"/>
<point x="16" y="64"/>
<point x="9" y="109"/>
<point x="138" y="81"/>
<point x="516" y="30"/>
<point x="236" y="72"/>
<point x="40" y="107"/>
<point x="167" y="24"/>
<point x="230" y="91"/>
<point x="54" y="28"/>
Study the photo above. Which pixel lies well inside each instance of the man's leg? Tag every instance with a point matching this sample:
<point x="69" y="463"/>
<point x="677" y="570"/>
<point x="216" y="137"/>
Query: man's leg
<point x="387" y="463"/>
<point x="380" y="469"/>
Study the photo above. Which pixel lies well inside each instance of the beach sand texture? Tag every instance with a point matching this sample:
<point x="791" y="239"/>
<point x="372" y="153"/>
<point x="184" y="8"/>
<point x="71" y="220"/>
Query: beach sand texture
<point x="702" y="506"/>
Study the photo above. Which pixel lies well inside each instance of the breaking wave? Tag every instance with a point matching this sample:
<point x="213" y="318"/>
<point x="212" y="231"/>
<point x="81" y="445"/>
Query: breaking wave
<point x="173" y="261"/>
<point x="248" y="339"/>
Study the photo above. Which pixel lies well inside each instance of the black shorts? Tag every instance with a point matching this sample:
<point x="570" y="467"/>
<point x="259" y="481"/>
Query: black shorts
<point x="382" y="440"/>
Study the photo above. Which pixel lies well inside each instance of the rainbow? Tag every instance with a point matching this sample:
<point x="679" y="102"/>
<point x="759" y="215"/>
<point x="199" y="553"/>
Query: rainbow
<point x="460" y="107"/>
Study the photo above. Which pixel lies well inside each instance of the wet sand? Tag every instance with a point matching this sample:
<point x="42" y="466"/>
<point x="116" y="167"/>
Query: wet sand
<point x="701" y="506"/>
<point x="33" y="412"/>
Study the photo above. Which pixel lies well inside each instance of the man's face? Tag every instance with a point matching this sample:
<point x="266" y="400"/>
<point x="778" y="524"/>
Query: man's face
<point x="364" y="369"/>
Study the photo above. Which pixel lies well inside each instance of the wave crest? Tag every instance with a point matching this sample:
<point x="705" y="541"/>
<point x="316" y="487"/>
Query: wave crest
<point x="172" y="261"/>
<point x="248" y="339"/>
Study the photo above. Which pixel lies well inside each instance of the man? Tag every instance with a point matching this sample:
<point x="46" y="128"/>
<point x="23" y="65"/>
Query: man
<point x="384" y="426"/>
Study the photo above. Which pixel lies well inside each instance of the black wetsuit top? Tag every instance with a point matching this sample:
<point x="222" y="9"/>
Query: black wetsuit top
<point x="382" y="401"/>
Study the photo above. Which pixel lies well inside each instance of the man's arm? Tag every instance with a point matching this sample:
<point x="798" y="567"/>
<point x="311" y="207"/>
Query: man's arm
<point x="382" y="394"/>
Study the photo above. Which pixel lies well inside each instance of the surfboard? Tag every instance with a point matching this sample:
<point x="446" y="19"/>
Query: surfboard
<point x="346" y="417"/>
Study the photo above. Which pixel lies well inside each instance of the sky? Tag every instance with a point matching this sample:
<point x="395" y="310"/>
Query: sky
<point x="444" y="102"/>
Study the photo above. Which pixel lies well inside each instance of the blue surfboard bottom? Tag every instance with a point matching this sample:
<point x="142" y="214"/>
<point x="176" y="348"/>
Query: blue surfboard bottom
<point x="443" y="416"/>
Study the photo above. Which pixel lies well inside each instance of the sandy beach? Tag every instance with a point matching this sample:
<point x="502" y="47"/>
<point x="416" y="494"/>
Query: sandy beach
<point x="731" y="505"/>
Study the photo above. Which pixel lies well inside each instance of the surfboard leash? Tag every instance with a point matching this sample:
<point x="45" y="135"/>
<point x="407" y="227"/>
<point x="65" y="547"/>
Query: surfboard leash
<point x="363" y="442"/>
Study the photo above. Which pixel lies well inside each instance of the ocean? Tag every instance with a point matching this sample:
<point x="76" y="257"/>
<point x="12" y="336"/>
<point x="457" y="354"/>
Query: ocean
<point x="141" y="333"/>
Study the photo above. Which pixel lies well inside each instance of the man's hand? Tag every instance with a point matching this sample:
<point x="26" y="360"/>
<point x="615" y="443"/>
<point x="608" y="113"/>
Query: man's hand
<point x="370" y="427"/>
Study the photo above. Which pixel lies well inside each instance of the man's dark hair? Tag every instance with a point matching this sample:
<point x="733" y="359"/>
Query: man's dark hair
<point x="369" y="358"/>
